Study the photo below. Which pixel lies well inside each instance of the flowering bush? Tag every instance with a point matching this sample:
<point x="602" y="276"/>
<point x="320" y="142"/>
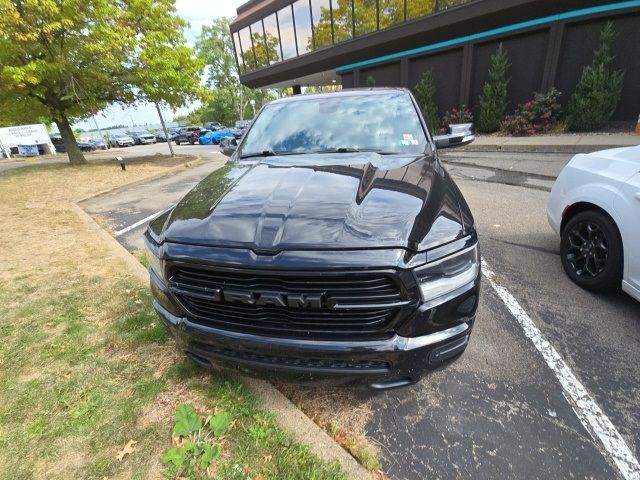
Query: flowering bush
<point x="455" y="115"/>
<point x="535" y="116"/>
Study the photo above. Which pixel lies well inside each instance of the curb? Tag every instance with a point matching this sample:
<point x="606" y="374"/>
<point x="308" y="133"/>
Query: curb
<point x="304" y="430"/>
<point x="539" y="148"/>
<point x="288" y="416"/>
<point x="538" y="176"/>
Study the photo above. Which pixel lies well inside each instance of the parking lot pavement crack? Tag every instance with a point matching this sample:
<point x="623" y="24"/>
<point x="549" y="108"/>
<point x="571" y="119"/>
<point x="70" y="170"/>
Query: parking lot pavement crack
<point x="523" y="245"/>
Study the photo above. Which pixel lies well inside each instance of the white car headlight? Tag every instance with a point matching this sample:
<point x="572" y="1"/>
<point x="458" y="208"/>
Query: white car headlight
<point x="448" y="274"/>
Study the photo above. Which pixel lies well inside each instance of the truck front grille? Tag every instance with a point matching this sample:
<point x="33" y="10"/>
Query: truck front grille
<point x="367" y="302"/>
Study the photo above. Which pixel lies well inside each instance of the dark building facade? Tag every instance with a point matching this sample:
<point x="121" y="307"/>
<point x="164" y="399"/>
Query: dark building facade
<point x="319" y="42"/>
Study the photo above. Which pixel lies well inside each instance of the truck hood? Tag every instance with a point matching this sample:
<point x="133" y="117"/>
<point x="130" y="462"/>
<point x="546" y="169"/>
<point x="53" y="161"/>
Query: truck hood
<point x="302" y="203"/>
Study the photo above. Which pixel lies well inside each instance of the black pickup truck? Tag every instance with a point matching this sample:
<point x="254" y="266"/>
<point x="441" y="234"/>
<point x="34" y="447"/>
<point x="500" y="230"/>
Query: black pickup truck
<point x="321" y="252"/>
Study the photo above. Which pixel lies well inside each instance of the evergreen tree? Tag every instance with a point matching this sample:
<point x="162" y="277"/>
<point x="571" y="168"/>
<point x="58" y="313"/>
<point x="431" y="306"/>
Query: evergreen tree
<point x="493" y="100"/>
<point x="426" y="96"/>
<point x="599" y="89"/>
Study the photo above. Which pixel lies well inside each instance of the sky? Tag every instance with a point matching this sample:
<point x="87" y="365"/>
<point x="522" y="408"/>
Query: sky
<point x="197" y="14"/>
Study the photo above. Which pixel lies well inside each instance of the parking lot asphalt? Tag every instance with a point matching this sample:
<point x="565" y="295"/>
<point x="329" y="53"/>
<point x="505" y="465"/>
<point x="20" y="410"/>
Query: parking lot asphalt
<point x="120" y="210"/>
<point x="504" y="410"/>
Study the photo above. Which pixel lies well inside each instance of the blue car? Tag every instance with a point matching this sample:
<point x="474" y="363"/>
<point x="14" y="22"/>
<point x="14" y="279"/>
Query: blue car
<point x="214" y="137"/>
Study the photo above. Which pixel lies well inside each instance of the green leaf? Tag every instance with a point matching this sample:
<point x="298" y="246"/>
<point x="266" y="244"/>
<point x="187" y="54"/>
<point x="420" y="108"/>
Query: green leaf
<point x="175" y="456"/>
<point x="219" y="423"/>
<point x="187" y="420"/>
<point x="189" y="447"/>
<point x="211" y="452"/>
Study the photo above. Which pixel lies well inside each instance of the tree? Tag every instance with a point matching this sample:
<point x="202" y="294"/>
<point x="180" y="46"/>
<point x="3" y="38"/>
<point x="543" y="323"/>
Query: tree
<point x="68" y="59"/>
<point x="426" y="96"/>
<point x="12" y="113"/>
<point x="229" y="100"/>
<point x="493" y="99"/>
<point x="599" y="89"/>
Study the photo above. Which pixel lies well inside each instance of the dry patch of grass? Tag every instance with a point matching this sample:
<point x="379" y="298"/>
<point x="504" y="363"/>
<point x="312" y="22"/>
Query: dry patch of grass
<point x="341" y="412"/>
<point x="86" y="364"/>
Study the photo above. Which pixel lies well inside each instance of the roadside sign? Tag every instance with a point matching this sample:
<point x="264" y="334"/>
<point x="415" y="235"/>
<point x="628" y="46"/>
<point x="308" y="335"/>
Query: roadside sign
<point x="25" y="136"/>
<point x="28" y="150"/>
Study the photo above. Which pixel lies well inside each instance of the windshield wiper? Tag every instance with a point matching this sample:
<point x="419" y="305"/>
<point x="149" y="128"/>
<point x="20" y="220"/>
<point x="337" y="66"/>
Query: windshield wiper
<point x="353" y="150"/>
<point x="264" y="153"/>
<point x="269" y="153"/>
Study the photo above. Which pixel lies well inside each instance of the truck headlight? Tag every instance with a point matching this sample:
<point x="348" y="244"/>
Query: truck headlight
<point x="152" y="253"/>
<point x="448" y="274"/>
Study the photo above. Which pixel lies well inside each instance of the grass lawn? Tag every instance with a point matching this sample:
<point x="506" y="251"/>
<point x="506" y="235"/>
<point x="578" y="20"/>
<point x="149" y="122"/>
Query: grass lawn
<point x="86" y="365"/>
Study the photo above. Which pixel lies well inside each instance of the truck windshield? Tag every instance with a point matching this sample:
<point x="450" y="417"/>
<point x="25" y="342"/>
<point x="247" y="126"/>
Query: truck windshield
<point x="384" y="123"/>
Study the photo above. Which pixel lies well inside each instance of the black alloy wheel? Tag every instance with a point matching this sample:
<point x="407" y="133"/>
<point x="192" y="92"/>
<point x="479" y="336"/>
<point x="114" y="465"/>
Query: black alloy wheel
<point x="591" y="251"/>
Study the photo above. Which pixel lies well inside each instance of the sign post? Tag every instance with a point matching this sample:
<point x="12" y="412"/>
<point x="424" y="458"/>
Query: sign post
<point x="5" y="151"/>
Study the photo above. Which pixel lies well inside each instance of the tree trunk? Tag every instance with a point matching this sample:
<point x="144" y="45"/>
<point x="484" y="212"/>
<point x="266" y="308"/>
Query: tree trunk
<point x="76" y="157"/>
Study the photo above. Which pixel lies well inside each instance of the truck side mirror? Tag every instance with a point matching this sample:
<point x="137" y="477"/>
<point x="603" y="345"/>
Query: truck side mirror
<point x="228" y="146"/>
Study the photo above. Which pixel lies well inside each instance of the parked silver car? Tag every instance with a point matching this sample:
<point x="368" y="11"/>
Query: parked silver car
<point x="143" y="137"/>
<point x="120" y="140"/>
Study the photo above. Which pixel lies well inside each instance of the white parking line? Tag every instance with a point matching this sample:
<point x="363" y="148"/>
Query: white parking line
<point x="587" y="410"/>
<point x="141" y="222"/>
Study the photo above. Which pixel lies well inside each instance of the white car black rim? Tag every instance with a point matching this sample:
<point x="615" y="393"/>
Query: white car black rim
<point x="587" y="249"/>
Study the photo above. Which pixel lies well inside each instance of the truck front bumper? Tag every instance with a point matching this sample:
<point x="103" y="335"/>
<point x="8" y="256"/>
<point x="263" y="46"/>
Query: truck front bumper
<point x="381" y="364"/>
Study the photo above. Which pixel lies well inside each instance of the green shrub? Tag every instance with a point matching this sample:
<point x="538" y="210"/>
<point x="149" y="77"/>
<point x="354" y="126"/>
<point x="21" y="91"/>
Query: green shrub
<point x="426" y="96"/>
<point x="371" y="82"/>
<point x="599" y="89"/>
<point x="535" y="116"/>
<point x="493" y="99"/>
<point x="457" y="115"/>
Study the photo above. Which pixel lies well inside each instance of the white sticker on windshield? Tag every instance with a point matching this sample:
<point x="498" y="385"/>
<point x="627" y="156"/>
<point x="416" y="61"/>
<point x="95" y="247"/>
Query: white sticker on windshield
<point x="407" y="139"/>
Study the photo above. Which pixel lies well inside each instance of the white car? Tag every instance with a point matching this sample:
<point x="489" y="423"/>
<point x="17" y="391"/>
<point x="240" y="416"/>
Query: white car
<point x="120" y="140"/>
<point x="595" y="208"/>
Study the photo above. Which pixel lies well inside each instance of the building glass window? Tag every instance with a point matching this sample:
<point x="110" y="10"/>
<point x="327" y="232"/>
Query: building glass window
<point x="391" y="12"/>
<point x="287" y="34"/>
<point x="322" y="28"/>
<point x="247" y="49"/>
<point x="272" y="39"/>
<point x="302" y="16"/>
<point x="308" y="25"/>
<point x="236" y="44"/>
<point x="420" y="8"/>
<point x="365" y="16"/>
<point x="259" y="48"/>
<point x="342" y="20"/>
